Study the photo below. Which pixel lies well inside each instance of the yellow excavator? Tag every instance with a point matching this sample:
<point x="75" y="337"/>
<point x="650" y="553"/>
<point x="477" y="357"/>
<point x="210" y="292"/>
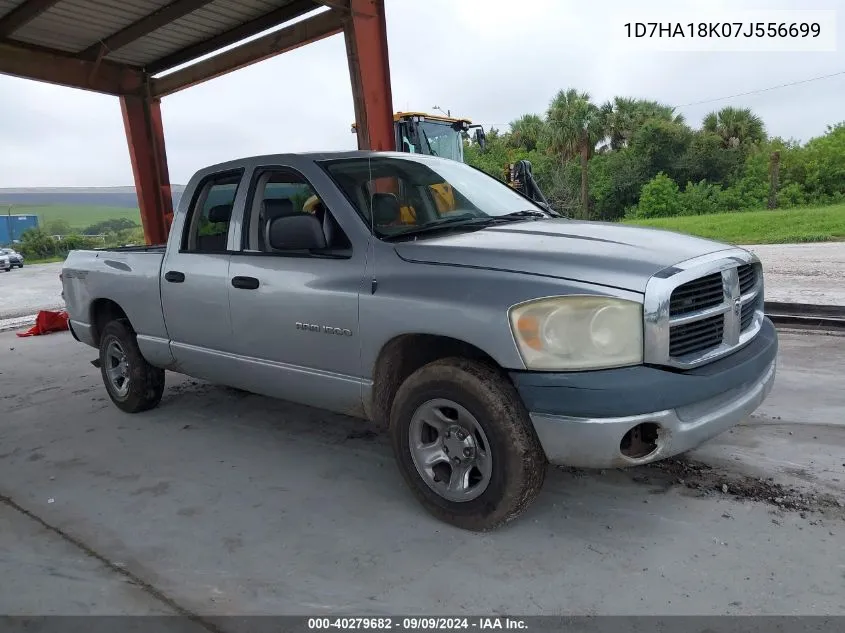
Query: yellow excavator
<point x="439" y="135"/>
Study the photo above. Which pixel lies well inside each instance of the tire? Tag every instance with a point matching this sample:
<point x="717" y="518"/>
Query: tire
<point x="145" y="382"/>
<point x="513" y="458"/>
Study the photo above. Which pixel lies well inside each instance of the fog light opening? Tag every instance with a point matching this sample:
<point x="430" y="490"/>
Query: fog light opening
<point x="640" y="441"/>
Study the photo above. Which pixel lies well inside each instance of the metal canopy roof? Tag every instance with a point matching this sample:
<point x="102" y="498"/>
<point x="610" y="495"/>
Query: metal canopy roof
<point x="115" y="46"/>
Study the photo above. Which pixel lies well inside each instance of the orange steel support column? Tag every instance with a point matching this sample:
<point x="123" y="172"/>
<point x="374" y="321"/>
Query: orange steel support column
<point x="369" y="71"/>
<point x="145" y="136"/>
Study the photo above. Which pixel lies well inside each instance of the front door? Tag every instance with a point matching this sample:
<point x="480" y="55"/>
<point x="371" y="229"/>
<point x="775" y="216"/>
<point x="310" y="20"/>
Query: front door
<point x="294" y="315"/>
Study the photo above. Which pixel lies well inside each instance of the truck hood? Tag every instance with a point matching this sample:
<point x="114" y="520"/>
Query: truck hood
<point x="593" y="252"/>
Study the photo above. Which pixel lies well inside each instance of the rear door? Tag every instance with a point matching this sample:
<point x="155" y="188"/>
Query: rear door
<point x="194" y="285"/>
<point x="295" y="315"/>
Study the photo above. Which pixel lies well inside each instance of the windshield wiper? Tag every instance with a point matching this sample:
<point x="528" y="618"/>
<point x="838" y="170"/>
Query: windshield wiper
<point x="476" y="222"/>
<point x="443" y="224"/>
<point x="521" y="215"/>
<point x="430" y="148"/>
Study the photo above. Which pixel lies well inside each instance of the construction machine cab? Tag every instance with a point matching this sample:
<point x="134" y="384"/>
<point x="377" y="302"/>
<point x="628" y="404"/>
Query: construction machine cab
<point x="433" y="134"/>
<point x="420" y="133"/>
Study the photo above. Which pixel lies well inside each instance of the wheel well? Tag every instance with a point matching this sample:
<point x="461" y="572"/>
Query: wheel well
<point x="405" y="354"/>
<point x="103" y="311"/>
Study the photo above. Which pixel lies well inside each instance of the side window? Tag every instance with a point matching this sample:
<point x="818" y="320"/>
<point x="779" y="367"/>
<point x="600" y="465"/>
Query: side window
<point x="208" y="222"/>
<point x="284" y="193"/>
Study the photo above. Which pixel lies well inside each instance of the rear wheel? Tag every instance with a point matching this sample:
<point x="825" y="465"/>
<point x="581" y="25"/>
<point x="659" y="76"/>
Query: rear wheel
<point x="465" y="444"/>
<point x="131" y="382"/>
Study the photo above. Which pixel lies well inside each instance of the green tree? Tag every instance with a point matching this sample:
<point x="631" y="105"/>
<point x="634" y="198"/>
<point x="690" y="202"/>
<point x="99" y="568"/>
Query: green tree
<point x="526" y="132"/>
<point x="662" y="145"/>
<point x="706" y="158"/>
<point x="737" y="127"/>
<point x="57" y="226"/>
<point x="110" y="226"/>
<point x="616" y="179"/>
<point x="37" y="244"/>
<point x="574" y="125"/>
<point x="624" y="116"/>
<point x="660" y="198"/>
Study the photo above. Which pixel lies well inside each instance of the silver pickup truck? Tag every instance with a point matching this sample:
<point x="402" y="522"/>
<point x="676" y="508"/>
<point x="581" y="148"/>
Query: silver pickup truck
<point x="490" y="335"/>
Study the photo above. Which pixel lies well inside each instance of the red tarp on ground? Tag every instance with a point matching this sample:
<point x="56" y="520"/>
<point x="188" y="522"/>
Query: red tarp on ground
<point x="47" y="321"/>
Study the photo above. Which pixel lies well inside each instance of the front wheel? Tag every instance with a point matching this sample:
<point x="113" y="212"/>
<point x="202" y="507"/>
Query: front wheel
<point x="465" y="444"/>
<point x="131" y="382"/>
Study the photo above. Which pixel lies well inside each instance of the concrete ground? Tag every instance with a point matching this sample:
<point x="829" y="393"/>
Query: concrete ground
<point x="220" y="502"/>
<point x="25" y="291"/>
<point x="804" y="273"/>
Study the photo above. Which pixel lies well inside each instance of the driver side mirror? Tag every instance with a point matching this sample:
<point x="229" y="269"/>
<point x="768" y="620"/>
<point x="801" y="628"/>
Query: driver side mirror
<point x="301" y="232"/>
<point x="481" y="138"/>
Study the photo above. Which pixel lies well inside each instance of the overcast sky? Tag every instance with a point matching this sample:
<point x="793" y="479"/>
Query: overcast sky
<point x="489" y="60"/>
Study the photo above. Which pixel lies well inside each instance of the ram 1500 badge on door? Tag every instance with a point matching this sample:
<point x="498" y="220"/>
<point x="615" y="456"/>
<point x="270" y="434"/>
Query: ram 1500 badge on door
<point x="490" y="335"/>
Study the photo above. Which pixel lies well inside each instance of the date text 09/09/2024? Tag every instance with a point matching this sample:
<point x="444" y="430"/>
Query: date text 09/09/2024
<point x="418" y="623"/>
<point x="722" y="29"/>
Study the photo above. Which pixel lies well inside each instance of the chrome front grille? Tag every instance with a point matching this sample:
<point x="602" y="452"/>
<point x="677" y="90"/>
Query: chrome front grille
<point x="696" y="336"/>
<point x="699" y="294"/>
<point x="703" y="309"/>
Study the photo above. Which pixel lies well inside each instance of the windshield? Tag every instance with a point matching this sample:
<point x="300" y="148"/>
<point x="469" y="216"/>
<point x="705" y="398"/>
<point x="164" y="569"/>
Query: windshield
<point x="410" y="192"/>
<point x="440" y="139"/>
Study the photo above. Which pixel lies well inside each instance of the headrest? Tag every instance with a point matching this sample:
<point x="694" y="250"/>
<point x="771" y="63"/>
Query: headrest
<point x="386" y="208"/>
<point x="220" y="213"/>
<point x="276" y="208"/>
<point x="300" y="231"/>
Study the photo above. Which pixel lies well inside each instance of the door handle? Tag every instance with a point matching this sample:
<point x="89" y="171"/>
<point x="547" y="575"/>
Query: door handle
<point x="245" y="283"/>
<point x="174" y="276"/>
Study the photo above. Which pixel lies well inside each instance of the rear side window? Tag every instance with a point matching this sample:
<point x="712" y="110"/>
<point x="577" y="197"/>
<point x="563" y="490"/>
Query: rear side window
<point x="207" y="228"/>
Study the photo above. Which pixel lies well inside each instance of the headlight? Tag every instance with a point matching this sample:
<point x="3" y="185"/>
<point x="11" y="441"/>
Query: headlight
<point x="578" y="332"/>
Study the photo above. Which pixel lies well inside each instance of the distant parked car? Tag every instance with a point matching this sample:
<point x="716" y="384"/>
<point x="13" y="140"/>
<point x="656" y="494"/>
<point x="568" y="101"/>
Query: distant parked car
<point x="5" y="264"/>
<point x="15" y="258"/>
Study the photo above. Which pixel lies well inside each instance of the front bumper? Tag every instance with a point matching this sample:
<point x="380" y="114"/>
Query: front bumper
<point x="581" y="418"/>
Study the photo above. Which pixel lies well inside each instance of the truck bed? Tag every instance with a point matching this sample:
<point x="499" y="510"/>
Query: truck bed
<point x="127" y="276"/>
<point x="154" y="248"/>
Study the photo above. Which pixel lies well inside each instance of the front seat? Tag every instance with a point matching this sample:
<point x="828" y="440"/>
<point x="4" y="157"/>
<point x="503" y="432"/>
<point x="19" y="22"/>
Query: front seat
<point x="220" y="214"/>
<point x="386" y="209"/>
<point x="272" y="208"/>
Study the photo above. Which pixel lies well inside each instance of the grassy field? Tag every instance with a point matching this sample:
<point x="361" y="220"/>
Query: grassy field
<point x="782" y="226"/>
<point x="79" y="217"/>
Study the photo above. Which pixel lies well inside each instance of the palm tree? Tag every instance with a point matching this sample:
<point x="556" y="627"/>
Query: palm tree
<point x="624" y="116"/>
<point x="736" y="126"/>
<point x="526" y="132"/>
<point x="573" y="127"/>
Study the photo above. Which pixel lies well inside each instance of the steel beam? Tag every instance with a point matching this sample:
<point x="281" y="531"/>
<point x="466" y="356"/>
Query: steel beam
<point x="32" y="62"/>
<point x="22" y="15"/>
<point x="232" y="36"/>
<point x="145" y="136"/>
<point x="311" y="30"/>
<point x="369" y="72"/>
<point x="146" y="25"/>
